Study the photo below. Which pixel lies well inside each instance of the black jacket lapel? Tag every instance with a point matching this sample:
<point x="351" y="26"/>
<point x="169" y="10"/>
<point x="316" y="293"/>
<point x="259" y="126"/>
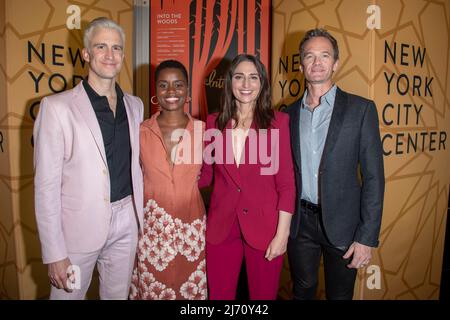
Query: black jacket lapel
<point x="337" y="117"/>
<point x="295" y="133"/>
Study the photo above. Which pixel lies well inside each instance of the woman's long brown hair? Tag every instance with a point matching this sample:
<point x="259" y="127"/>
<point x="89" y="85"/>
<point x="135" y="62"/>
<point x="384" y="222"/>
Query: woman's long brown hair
<point x="263" y="113"/>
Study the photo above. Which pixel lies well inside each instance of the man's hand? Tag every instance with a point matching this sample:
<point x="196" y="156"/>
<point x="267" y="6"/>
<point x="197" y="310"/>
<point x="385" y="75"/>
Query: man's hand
<point x="58" y="274"/>
<point x="361" y="255"/>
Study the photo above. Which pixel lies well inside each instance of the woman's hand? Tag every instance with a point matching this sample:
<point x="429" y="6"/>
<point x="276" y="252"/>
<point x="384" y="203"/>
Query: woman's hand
<point x="278" y="245"/>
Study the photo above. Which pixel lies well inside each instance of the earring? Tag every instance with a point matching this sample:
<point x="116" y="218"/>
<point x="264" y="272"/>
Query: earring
<point x="153" y="102"/>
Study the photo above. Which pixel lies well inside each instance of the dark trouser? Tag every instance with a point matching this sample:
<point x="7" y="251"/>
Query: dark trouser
<point x="304" y="254"/>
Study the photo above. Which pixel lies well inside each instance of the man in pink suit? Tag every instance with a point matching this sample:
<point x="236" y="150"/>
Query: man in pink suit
<point x="88" y="182"/>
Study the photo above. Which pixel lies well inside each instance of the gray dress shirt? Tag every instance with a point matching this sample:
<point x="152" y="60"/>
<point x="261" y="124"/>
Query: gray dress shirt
<point x="313" y="133"/>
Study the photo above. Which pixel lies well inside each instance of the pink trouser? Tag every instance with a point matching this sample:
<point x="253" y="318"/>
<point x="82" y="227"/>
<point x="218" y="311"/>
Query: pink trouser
<point x="115" y="260"/>
<point x="223" y="265"/>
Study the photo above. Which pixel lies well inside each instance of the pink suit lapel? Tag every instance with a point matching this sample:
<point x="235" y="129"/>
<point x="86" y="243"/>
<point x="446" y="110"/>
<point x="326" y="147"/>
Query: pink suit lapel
<point x="83" y="104"/>
<point x="131" y="121"/>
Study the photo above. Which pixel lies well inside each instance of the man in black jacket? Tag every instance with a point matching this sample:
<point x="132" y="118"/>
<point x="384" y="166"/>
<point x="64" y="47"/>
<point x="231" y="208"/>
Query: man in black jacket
<point x="339" y="174"/>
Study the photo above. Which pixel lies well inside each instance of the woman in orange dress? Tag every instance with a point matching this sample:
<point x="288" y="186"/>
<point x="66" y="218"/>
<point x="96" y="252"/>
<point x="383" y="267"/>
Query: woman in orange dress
<point x="171" y="251"/>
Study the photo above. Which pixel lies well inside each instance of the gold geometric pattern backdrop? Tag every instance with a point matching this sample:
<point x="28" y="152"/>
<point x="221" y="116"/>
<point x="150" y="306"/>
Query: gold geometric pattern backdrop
<point x="397" y="53"/>
<point x="39" y="55"/>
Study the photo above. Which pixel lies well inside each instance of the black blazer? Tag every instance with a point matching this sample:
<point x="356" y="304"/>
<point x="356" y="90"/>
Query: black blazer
<point x="351" y="172"/>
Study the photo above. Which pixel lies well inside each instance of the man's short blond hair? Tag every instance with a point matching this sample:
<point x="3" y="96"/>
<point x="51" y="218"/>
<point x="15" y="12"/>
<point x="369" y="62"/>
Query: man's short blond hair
<point x="101" y="22"/>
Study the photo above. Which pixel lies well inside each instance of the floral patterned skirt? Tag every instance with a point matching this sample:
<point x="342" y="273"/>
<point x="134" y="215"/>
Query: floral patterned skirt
<point x="170" y="262"/>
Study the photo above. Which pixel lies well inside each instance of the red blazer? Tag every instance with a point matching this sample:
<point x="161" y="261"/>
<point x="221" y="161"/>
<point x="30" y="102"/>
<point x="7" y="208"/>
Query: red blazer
<point x="244" y="192"/>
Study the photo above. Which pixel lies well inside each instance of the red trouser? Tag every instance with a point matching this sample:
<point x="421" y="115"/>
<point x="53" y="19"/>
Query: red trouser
<point x="223" y="265"/>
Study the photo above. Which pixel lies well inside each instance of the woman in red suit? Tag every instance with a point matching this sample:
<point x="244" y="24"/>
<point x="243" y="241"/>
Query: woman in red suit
<point x="248" y="156"/>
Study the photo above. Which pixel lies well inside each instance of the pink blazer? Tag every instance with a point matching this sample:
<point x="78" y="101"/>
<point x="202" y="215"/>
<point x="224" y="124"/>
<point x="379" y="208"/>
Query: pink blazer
<point x="71" y="181"/>
<point x="246" y="193"/>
